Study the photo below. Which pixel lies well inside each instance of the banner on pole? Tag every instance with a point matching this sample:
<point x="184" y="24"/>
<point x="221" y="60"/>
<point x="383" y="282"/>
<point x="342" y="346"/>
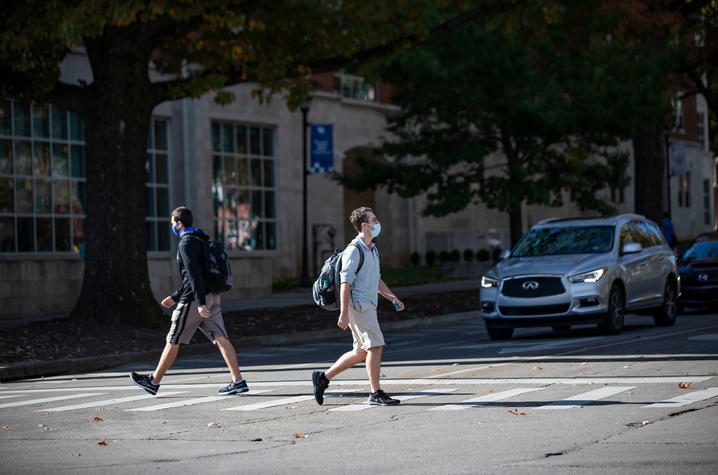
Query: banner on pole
<point x="322" y="148"/>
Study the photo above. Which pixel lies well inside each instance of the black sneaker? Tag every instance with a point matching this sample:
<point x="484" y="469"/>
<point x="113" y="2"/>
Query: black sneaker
<point x="234" y="388"/>
<point x="145" y="382"/>
<point x="380" y="398"/>
<point x="320" y="383"/>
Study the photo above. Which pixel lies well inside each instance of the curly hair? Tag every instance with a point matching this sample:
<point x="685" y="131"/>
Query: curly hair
<point x="359" y="216"/>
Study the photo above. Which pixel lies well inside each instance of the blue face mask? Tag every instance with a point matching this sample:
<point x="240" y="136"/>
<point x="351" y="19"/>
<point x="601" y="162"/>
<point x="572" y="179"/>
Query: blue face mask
<point x="377" y="229"/>
<point x="174" y="228"/>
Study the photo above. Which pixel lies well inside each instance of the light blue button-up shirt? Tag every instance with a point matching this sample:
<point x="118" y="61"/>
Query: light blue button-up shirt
<point x="364" y="284"/>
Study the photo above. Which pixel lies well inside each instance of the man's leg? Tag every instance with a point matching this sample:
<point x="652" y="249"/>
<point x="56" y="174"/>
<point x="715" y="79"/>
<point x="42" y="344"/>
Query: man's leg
<point x="230" y="356"/>
<point x="169" y="354"/>
<point x="345" y="361"/>
<point x="373" y="367"/>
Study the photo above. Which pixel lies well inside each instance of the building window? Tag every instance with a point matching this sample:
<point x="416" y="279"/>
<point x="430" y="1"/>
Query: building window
<point x="678" y="114"/>
<point x="706" y="202"/>
<point x="701" y="130"/>
<point x="42" y="179"/>
<point x="684" y="193"/>
<point x="158" y="186"/>
<point x="244" y="186"/>
<point x="355" y="87"/>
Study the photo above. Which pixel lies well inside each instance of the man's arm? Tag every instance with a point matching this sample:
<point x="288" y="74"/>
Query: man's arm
<point x="344" y="297"/>
<point x="389" y="295"/>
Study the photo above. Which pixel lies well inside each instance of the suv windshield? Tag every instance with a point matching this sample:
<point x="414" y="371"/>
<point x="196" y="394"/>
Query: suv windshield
<point x="565" y="240"/>
<point x="701" y="250"/>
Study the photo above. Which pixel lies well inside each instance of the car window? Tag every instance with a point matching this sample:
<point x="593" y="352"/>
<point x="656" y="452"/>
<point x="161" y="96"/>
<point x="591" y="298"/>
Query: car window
<point x="701" y="250"/>
<point x="643" y="236"/>
<point x="655" y="233"/>
<point x="565" y="240"/>
<point x="626" y="234"/>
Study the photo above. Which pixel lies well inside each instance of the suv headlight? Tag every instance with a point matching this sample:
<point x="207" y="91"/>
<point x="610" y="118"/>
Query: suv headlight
<point x="487" y="282"/>
<point x="587" y="277"/>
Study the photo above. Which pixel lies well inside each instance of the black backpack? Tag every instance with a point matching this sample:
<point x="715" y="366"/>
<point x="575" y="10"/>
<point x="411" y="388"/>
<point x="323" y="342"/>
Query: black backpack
<point x="218" y="272"/>
<point x="326" y="289"/>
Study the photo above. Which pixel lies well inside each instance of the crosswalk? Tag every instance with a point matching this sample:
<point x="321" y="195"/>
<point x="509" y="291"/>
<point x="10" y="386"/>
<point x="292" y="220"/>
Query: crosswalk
<point x="348" y="396"/>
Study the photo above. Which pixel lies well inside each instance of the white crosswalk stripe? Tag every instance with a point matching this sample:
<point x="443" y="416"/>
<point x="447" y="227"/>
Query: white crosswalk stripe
<point x="14" y="395"/>
<point x="187" y="402"/>
<point x="108" y="402"/>
<point x="481" y="400"/>
<point x="401" y="397"/>
<point x="47" y="399"/>
<point x="283" y="401"/>
<point x="586" y="398"/>
<point x="685" y="399"/>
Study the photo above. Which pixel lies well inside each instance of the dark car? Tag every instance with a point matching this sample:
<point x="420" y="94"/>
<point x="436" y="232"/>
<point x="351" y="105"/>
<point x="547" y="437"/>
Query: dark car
<point x="698" y="268"/>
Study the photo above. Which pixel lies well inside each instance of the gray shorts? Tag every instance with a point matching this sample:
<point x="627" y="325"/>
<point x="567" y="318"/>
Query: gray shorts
<point x="364" y="325"/>
<point x="186" y="319"/>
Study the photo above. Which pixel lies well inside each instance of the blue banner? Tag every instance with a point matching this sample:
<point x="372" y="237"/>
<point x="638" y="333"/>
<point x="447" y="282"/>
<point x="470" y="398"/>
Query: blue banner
<point x="322" y="148"/>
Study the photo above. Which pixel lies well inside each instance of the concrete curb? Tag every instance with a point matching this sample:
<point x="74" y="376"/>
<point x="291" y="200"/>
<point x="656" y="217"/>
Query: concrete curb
<point x="78" y="365"/>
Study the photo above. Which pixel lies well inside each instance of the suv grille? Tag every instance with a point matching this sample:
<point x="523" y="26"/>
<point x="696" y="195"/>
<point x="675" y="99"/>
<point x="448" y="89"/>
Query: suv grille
<point x="536" y="310"/>
<point x="539" y="287"/>
<point x="702" y="276"/>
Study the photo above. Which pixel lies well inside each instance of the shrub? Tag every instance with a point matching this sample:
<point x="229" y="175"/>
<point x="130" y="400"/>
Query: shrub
<point x="468" y="255"/>
<point x="430" y="258"/>
<point x="496" y="253"/>
<point x="455" y="255"/>
<point x="482" y="255"/>
<point x="444" y="257"/>
<point x="415" y="258"/>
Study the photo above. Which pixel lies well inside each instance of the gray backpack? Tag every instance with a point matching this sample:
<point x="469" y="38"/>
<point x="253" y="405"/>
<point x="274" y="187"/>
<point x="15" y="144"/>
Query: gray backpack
<point x="326" y="288"/>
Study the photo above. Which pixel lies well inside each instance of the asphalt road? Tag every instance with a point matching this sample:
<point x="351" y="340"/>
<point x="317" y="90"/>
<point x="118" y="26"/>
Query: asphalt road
<point x="644" y="401"/>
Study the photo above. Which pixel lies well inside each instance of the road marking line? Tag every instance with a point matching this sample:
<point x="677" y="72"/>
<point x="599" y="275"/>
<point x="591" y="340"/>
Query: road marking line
<point x="481" y="400"/>
<point x="187" y="402"/>
<point x="706" y="337"/>
<point x="586" y="398"/>
<point x="284" y="401"/>
<point x="47" y="399"/>
<point x="109" y="402"/>
<point x="15" y="395"/>
<point x="403" y="397"/>
<point x="688" y="398"/>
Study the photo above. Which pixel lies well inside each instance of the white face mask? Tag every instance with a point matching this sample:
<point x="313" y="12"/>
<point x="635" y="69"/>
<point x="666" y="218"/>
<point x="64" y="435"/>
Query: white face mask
<point x="377" y="229"/>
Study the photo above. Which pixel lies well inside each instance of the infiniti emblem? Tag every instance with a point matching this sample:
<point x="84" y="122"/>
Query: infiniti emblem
<point x="530" y="285"/>
<point x="703" y="277"/>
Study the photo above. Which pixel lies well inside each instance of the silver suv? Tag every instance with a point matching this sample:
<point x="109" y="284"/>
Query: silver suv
<point x="574" y="271"/>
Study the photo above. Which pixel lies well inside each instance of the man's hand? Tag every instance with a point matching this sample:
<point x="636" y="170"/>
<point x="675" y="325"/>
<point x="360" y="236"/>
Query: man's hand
<point x="168" y="302"/>
<point x="203" y="312"/>
<point x="398" y="305"/>
<point x="343" y="321"/>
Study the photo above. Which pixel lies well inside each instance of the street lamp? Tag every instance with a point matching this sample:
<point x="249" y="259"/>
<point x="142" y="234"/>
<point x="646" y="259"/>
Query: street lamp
<point x="304" y="277"/>
<point x="666" y="137"/>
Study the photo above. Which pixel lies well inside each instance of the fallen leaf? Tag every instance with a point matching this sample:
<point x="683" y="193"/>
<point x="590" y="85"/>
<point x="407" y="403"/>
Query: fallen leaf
<point x="626" y="367"/>
<point x="538" y="368"/>
<point x="491" y="390"/>
<point x="582" y="374"/>
<point x="645" y="423"/>
<point x="382" y="375"/>
<point x="97" y="419"/>
<point x="299" y="436"/>
<point x="436" y="370"/>
<point x="6" y="428"/>
<point x="213" y="424"/>
<point x="446" y="376"/>
<point x="584" y="363"/>
<point x="455" y="364"/>
<point x="256" y="440"/>
<point x="102" y="442"/>
<point x="76" y="455"/>
<point x="516" y="412"/>
<point x="684" y="385"/>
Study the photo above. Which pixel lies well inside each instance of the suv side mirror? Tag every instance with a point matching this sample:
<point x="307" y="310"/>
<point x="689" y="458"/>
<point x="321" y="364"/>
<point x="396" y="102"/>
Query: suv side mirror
<point x="504" y="254"/>
<point x="631" y="248"/>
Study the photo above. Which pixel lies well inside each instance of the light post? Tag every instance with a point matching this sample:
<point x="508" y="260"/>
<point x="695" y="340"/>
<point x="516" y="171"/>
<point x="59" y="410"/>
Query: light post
<point x="668" y="174"/>
<point x="304" y="277"/>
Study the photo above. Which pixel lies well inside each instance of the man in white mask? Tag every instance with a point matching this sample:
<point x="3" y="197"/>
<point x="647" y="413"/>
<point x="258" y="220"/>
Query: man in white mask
<point x="358" y="299"/>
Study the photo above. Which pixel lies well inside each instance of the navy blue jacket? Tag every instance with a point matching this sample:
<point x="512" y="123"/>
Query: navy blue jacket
<point x="191" y="262"/>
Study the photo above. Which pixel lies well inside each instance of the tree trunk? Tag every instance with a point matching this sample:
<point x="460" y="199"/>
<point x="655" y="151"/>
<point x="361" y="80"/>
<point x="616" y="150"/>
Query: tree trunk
<point x="650" y="168"/>
<point x="116" y="285"/>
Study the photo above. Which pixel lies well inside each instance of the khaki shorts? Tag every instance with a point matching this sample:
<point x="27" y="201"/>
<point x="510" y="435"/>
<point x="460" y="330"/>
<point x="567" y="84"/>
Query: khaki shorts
<point x="186" y="319"/>
<point x="364" y="325"/>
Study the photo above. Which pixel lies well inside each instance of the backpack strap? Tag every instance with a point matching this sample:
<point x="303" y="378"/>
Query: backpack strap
<point x="361" y="257"/>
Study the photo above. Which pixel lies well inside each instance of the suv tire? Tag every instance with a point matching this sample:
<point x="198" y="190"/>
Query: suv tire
<point x="666" y="314"/>
<point x="616" y="312"/>
<point x="499" y="333"/>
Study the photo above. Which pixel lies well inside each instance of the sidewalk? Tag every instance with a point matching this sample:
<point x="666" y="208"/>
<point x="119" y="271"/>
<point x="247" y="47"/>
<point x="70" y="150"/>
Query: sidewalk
<point x="77" y="365"/>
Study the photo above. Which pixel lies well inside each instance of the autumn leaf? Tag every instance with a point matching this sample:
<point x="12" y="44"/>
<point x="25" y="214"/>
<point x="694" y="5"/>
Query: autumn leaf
<point x="213" y="424"/>
<point x="97" y="419"/>
<point x="538" y="368"/>
<point x="102" y="442"/>
<point x="300" y="436"/>
<point x="584" y="363"/>
<point x="516" y="412"/>
<point x="6" y="428"/>
<point x="684" y="385"/>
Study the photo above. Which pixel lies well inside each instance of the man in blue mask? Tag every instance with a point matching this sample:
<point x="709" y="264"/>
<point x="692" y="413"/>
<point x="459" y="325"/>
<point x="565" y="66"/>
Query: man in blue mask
<point x="196" y="308"/>
<point x="358" y="298"/>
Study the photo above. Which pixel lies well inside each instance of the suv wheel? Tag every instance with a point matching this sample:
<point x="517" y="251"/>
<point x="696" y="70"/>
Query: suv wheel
<point x="666" y="315"/>
<point x="616" y="312"/>
<point x="500" y="333"/>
